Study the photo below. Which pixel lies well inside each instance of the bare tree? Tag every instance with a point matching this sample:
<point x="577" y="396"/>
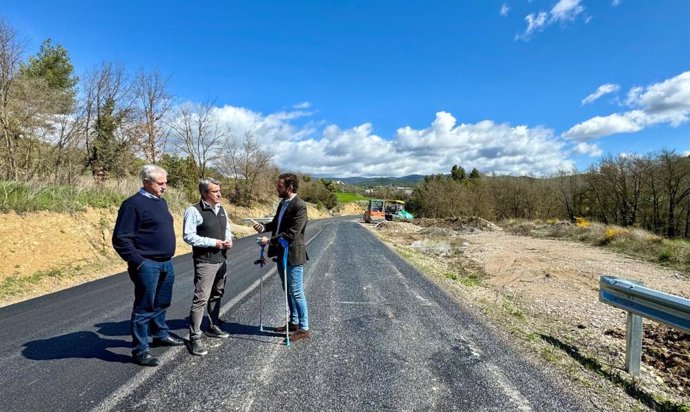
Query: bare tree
<point x="107" y="116"/>
<point x="675" y="178"/>
<point x="621" y="178"/>
<point x="246" y="162"/>
<point x="153" y="103"/>
<point x="197" y="133"/>
<point x="652" y="197"/>
<point x="11" y="52"/>
<point x="65" y="137"/>
<point x="568" y="190"/>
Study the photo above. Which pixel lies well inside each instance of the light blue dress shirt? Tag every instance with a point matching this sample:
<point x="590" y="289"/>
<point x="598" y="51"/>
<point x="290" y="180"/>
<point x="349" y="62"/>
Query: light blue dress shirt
<point x="192" y="219"/>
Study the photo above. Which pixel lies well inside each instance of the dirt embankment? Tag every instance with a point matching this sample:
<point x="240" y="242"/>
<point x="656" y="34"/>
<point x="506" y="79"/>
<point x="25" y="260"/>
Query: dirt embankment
<point x="546" y="293"/>
<point x="44" y="252"/>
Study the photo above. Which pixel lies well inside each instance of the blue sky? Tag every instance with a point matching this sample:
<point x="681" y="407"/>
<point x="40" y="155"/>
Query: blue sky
<point x="390" y="88"/>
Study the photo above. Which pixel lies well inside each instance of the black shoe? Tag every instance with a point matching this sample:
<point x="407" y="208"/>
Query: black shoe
<point x="215" y="332"/>
<point x="146" y="359"/>
<point x="197" y="347"/>
<point x="167" y="341"/>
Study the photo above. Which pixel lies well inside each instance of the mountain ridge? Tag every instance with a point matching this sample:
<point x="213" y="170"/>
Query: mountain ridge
<point x="409" y="180"/>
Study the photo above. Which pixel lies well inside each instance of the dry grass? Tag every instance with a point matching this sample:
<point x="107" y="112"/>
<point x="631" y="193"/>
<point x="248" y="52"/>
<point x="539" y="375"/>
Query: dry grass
<point x="635" y="242"/>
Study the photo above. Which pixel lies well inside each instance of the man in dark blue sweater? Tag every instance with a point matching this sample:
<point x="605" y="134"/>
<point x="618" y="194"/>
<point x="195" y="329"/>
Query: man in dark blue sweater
<point x="144" y="236"/>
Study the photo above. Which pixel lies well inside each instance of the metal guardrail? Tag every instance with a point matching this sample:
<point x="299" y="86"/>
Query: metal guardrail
<point x="640" y="301"/>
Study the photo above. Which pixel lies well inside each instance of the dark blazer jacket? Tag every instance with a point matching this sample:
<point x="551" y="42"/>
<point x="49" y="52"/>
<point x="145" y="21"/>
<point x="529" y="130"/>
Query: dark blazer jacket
<point x="292" y="229"/>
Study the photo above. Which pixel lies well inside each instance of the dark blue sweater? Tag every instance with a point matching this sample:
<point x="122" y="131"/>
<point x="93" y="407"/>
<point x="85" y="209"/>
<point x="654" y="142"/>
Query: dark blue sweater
<point x="144" y="230"/>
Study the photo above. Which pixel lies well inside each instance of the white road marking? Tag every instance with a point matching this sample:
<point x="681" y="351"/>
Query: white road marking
<point x="520" y="402"/>
<point x="137" y="380"/>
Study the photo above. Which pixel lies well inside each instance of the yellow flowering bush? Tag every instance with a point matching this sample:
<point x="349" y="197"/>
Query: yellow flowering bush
<point x="582" y="222"/>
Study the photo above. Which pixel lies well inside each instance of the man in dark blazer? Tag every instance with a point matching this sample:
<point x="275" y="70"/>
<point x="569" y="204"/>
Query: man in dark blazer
<point x="289" y="223"/>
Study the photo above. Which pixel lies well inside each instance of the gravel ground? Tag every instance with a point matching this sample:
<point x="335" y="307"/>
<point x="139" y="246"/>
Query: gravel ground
<point x="545" y="292"/>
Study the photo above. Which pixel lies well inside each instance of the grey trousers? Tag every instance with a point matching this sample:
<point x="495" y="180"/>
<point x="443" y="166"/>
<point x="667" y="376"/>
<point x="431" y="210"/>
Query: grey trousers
<point x="209" y="286"/>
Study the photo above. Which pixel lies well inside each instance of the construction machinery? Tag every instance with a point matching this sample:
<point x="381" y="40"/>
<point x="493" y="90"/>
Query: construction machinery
<point x="379" y="210"/>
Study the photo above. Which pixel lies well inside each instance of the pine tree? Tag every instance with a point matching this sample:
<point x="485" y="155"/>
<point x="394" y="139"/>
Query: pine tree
<point x="107" y="153"/>
<point x="53" y="65"/>
<point x="457" y="173"/>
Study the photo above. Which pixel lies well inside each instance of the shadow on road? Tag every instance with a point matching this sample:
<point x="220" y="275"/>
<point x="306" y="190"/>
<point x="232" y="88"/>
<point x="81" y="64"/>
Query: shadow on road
<point x="122" y="328"/>
<point x="80" y="345"/>
<point x="88" y="345"/>
<point x="251" y="332"/>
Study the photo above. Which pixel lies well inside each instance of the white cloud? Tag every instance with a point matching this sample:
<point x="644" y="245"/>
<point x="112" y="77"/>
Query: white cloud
<point x="275" y="127"/>
<point x="566" y="10"/>
<point x="301" y="106"/>
<point x="602" y="126"/>
<point x="562" y="12"/>
<point x="504" y="9"/>
<point x="329" y="150"/>
<point x="601" y="90"/>
<point x="664" y="102"/>
<point x="534" y="23"/>
<point x="668" y="101"/>
<point x="592" y="150"/>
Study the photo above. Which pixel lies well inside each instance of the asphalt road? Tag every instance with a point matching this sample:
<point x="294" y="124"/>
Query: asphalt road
<point x="383" y="338"/>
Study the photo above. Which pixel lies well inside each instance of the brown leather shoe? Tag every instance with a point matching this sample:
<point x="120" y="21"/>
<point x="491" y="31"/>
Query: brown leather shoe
<point x="299" y="335"/>
<point x="293" y="328"/>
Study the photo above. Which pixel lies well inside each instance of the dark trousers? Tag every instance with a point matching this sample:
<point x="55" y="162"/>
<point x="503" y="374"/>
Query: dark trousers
<point x="153" y="284"/>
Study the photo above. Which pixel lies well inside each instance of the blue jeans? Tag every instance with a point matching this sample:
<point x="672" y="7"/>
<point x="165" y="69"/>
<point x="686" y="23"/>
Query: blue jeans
<point x="153" y="284"/>
<point x="297" y="300"/>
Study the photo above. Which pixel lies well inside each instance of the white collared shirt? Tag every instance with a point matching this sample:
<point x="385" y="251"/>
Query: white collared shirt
<point x="283" y="207"/>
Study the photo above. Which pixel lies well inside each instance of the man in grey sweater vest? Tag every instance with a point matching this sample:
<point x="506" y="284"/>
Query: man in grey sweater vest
<point x="207" y="230"/>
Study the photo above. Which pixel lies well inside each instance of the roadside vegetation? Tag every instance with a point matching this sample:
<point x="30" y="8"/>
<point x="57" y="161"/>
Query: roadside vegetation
<point x="25" y="197"/>
<point x="634" y="242"/>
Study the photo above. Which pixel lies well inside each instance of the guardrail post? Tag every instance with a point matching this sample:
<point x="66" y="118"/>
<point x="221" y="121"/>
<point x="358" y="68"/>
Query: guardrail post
<point x="640" y="302"/>
<point x="633" y="344"/>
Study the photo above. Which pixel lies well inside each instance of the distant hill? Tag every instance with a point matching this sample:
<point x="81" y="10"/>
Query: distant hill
<point x="410" y="180"/>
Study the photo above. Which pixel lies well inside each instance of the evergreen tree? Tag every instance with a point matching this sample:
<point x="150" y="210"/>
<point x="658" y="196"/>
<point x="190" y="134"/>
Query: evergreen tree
<point x="53" y="65"/>
<point x="107" y="154"/>
<point x="457" y="173"/>
<point x="474" y="174"/>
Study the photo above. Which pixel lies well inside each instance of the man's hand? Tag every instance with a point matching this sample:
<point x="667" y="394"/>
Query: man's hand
<point x="263" y="241"/>
<point x="257" y="226"/>
<point x="223" y="244"/>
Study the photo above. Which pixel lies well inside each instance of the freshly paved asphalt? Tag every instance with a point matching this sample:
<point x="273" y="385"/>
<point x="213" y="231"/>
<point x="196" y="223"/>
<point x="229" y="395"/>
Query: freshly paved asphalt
<point x="383" y="338"/>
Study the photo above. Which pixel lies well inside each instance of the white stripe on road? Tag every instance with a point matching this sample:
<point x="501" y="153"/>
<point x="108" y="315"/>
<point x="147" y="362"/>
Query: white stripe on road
<point x="137" y="380"/>
<point x="518" y="400"/>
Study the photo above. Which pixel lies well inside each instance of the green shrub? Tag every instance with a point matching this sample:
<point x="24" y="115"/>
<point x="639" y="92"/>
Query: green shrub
<point x="451" y="276"/>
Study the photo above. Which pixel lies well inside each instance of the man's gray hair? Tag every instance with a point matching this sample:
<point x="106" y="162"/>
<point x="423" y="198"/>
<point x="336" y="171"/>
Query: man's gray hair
<point x="205" y="183"/>
<point x="149" y="171"/>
